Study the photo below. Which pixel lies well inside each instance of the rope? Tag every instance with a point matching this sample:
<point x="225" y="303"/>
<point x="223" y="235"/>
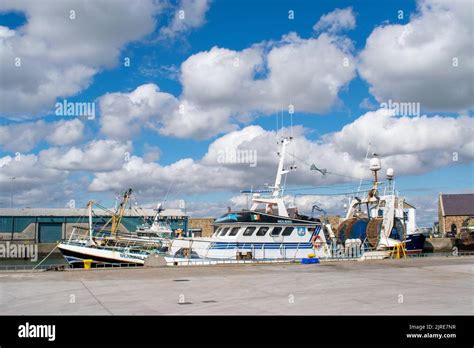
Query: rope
<point x="46" y="256"/>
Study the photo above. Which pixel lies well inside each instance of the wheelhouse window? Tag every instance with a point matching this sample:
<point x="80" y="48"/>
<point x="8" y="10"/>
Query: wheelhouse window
<point x="218" y="231"/>
<point x="262" y="231"/>
<point x="249" y="231"/>
<point x="276" y="231"/>
<point x="224" y="231"/>
<point x="234" y="231"/>
<point x="287" y="231"/>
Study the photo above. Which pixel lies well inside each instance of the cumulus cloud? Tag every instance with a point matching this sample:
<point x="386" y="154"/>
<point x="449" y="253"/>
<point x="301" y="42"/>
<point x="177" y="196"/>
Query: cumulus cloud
<point x="406" y="144"/>
<point x="222" y="87"/>
<point x="337" y="20"/>
<point x="189" y="14"/>
<point x="59" y="51"/>
<point x="428" y="60"/>
<point x="124" y="114"/>
<point x="23" y="137"/>
<point x="66" y="132"/>
<point x="95" y="156"/>
<point x="30" y="177"/>
<point x="151" y="153"/>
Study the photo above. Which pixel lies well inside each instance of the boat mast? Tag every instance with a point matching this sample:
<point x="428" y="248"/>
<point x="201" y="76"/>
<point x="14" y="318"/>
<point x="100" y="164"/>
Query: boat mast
<point x="117" y="217"/>
<point x="277" y="188"/>
<point x="89" y="211"/>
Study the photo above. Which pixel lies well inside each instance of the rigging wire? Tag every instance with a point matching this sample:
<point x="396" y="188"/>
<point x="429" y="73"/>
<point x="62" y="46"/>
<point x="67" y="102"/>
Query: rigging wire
<point x="332" y="194"/>
<point x="365" y="160"/>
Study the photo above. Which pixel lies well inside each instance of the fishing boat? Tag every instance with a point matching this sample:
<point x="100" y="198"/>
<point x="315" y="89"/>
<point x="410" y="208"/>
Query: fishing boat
<point x="106" y="245"/>
<point x="381" y="222"/>
<point x="266" y="231"/>
<point x="158" y="232"/>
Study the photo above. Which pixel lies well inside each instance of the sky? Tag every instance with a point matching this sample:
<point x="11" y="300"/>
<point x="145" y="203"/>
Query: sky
<point x="184" y="101"/>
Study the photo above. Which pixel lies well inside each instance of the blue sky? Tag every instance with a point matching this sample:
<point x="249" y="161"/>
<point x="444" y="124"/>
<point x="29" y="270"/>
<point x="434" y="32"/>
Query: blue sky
<point x="161" y="49"/>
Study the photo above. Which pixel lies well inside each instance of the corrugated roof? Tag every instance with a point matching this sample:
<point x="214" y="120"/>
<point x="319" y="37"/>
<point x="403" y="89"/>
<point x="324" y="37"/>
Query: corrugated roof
<point x="82" y="212"/>
<point x="458" y="204"/>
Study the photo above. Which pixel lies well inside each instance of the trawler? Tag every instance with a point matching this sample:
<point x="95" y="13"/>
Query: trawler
<point x="109" y="245"/>
<point x="266" y="231"/>
<point x="159" y="231"/>
<point x="381" y="222"/>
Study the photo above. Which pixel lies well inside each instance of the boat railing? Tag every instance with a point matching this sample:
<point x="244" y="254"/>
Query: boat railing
<point x="104" y="240"/>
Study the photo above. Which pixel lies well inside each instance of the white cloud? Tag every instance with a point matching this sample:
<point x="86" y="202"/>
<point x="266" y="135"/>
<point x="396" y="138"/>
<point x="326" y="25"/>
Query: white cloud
<point x="409" y="139"/>
<point x="151" y="153"/>
<point x="23" y="137"/>
<point x="406" y="144"/>
<point x="221" y="88"/>
<point x="307" y="73"/>
<point x="66" y="132"/>
<point x="337" y="20"/>
<point x="96" y="156"/>
<point x="59" y="55"/>
<point x="124" y="114"/>
<point x="416" y="61"/>
<point x="30" y="176"/>
<point x="189" y="14"/>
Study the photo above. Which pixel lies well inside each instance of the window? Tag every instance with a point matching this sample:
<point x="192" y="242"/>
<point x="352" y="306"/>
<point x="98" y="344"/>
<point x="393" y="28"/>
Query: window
<point x="287" y="231"/>
<point x="218" y="231"/>
<point x="454" y="229"/>
<point x="249" y="231"/>
<point x="276" y="231"/>
<point x="234" y="231"/>
<point x="224" y="231"/>
<point x="262" y="231"/>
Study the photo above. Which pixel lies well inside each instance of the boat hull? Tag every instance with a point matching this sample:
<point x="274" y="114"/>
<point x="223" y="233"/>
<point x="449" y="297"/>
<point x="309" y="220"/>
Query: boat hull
<point x="415" y="243"/>
<point x="262" y="251"/>
<point x="76" y="254"/>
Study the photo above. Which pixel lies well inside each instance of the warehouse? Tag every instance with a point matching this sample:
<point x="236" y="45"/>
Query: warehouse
<point x="49" y="225"/>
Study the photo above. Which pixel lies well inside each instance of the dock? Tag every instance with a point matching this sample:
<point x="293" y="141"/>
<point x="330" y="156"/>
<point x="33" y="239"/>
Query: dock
<point x="421" y="286"/>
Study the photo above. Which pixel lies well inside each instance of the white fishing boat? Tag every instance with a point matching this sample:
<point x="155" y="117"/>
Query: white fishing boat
<point x="106" y="246"/>
<point x="158" y="232"/>
<point x="267" y="231"/>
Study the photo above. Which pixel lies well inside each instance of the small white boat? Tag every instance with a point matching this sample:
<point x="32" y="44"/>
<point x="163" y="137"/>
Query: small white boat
<point x="107" y="246"/>
<point x="158" y="232"/>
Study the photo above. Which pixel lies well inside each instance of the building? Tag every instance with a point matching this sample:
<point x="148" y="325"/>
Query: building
<point x="201" y="227"/>
<point x="40" y="225"/>
<point x="453" y="211"/>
